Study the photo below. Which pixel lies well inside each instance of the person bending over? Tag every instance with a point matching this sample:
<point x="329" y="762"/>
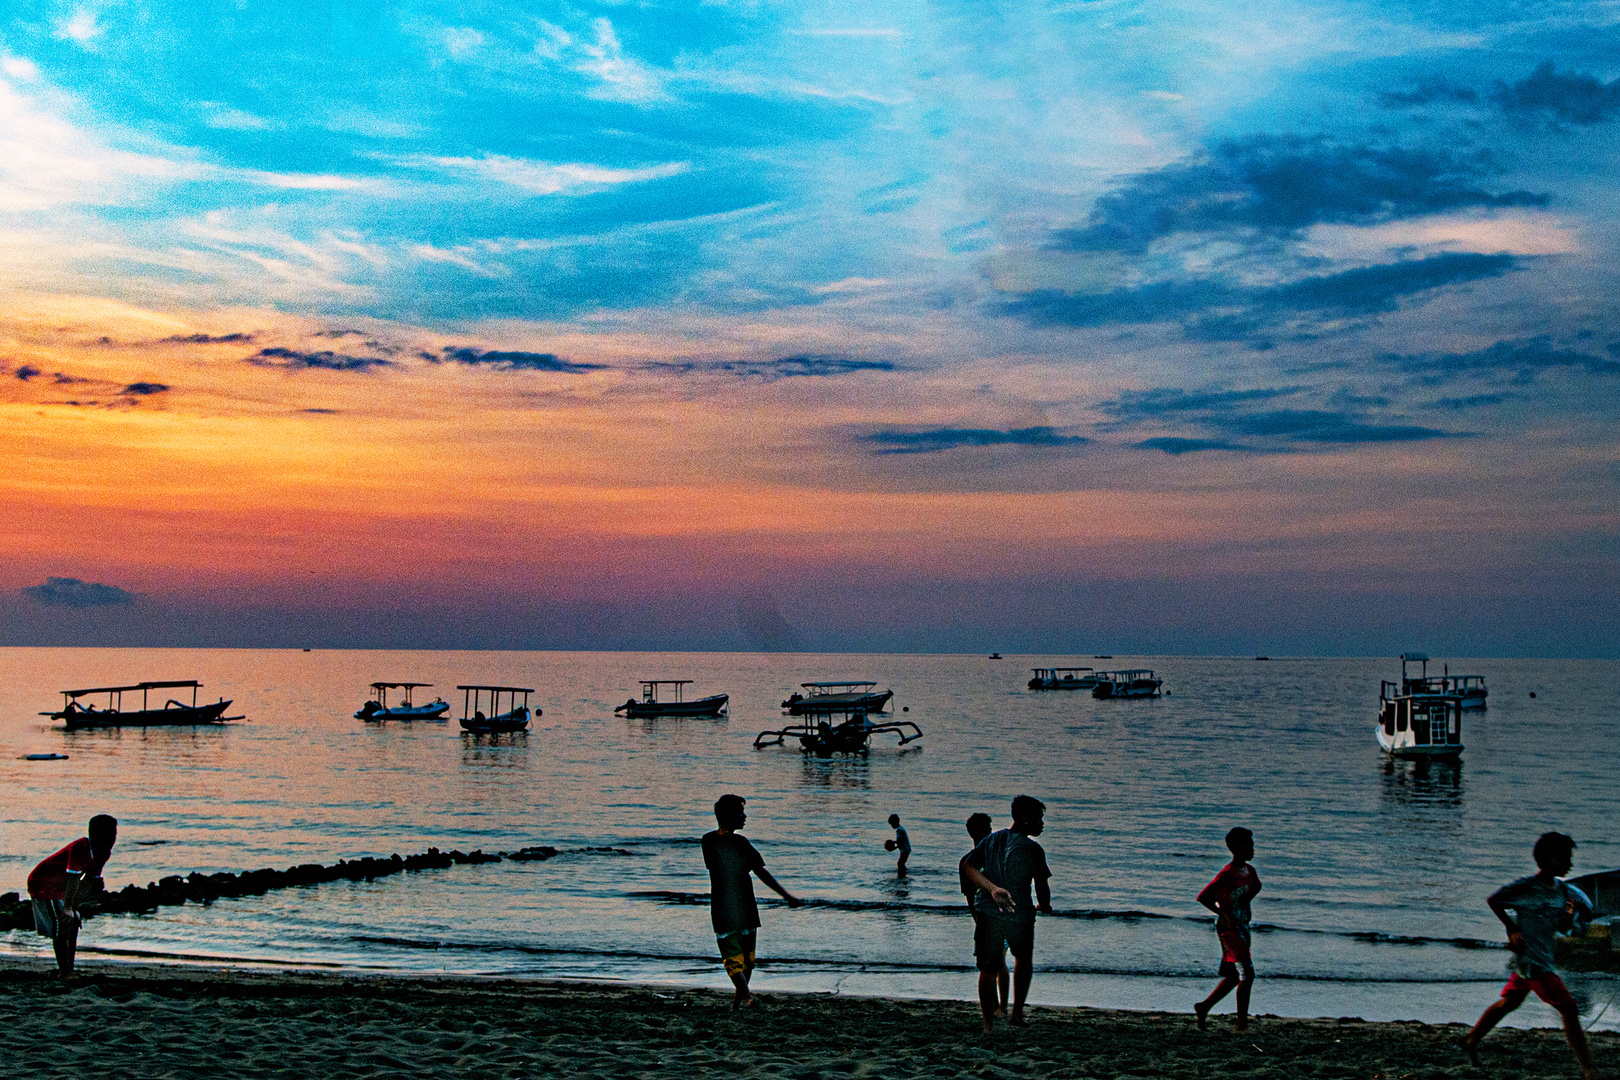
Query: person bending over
<point x="62" y="880"/>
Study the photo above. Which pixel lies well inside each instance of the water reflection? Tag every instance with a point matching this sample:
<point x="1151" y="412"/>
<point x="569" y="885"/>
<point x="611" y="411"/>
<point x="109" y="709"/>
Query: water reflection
<point x="502" y="750"/>
<point x="852" y="771"/>
<point x="1422" y="783"/>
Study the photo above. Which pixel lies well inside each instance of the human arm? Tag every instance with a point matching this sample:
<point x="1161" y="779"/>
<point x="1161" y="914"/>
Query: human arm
<point x="1002" y="898"/>
<point x="1500" y="901"/>
<point x="765" y="876"/>
<point x="1043" y="895"/>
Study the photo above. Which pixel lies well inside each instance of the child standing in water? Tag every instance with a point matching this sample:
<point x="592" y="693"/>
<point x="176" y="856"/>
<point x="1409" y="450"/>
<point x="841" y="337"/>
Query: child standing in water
<point x="900" y="843"/>
<point x="1542" y="906"/>
<point x="1228" y="896"/>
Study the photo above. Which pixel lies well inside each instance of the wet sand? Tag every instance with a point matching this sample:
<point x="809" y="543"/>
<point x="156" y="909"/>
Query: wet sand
<point x="128" y="1020"/>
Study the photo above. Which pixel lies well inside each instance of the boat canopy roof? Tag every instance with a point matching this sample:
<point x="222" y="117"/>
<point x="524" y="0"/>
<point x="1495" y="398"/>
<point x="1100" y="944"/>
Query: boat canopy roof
<point x="1038" y="670"/>
<point x="664" y="682"/>
<point x="1128" y="673"/>
<point x="136" y="686"/>
<point x="502" y="689"/>
<point x="399" y="685"/>
<point x="1414" y="657"/>
<point x="832" y="687"/>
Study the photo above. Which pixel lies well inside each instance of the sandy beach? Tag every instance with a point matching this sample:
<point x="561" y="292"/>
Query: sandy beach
<point x="128" y="1020"/>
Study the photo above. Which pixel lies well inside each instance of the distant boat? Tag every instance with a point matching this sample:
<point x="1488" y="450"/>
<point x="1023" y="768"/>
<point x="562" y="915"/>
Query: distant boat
<point x="171" y="713"/>
<point x="995" y="656"/>
<point x="379" y="709"/>
<point x="1418" y="718"/>
<point x="827" y="696"/>
<point x="514" y="718"/>
<point x="1063" y="678"/>
<point x="650" y="705"/>
<point x="1262" y="658"/>
<point x="1132" y="683"/>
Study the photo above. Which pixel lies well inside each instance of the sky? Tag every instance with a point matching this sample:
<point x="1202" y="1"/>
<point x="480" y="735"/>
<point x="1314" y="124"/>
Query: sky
<point x="1058" y="328"/>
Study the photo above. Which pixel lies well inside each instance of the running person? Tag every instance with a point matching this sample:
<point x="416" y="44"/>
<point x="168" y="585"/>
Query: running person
<point x="978" y="827"/>
<point x="732" y="908"/>
<point x="1542" y="906"/>
<point x="58" y="883"/>
<point x="1228" y="896"/>
<point x="1004" y="865"/>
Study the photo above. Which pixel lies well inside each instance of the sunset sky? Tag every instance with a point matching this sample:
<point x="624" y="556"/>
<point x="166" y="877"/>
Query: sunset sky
<point x="1061" y="327"/>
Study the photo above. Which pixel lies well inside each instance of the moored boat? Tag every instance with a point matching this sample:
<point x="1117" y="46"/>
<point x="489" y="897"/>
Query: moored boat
<point x="852" y="734"/>
<point x="1063" y="678"/>
<point x="514" y="717"/>
<point x="650" y="705"/>
<point x="1419" y="718"/>
<point x="1130" y="683"/>
<point x="172" y="713"/>
<point x="379" y="709"/>
<point x="824" y="696"/>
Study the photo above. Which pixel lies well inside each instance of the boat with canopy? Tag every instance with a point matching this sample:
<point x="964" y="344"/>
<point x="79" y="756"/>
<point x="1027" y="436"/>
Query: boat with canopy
<point x="672" y="703"/>
<point x="1421" y="717"/>
<point x="515" y="717"/>
<point x="379" y="709"/>
<point x="77" y="715"/>
<point x="1131" y="683"/>
<point x="1063" y="678"/>
<point x="837" y="729"/>
<point x="822" y="696"/>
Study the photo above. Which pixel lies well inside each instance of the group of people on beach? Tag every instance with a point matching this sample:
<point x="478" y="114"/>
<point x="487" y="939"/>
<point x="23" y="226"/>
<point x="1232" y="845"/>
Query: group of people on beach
<point x="1006" y="866"/>
<point x="1006" y="883"/>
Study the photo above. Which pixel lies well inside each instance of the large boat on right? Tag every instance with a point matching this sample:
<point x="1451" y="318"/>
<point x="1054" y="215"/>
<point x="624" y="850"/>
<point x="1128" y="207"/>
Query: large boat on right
<point x="1419" y="717"/>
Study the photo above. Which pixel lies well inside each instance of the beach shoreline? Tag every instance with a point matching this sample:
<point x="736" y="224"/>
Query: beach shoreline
<point x="194" y="1020"/>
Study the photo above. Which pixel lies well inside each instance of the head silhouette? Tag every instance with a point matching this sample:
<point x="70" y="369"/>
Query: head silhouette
<point x="978" y="826"/>
<point x="103" y="833"/>
<point x="1028" y="815"/>
<point x="728" y="811"/>
<point x="1555" y="853"/>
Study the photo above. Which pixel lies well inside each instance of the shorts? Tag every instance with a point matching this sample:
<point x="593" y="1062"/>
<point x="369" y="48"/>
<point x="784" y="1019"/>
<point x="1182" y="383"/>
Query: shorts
<point x="993" y="935"/>
<point x="1241" y="970"/>
<point x="1547" y="986"/>
<point x="1234" y="947"/>
<point x="737" y="950"/>
<point x="52" y="918"/>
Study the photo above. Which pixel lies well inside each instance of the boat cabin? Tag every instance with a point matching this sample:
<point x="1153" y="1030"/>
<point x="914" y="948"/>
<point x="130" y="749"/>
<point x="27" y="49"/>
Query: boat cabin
<point x="649" y="690"/>
<point x="1417" y="717"/>
<point x="1063" y="678"/>
<point x="1471" y="688"/>
<point x="379" y="692"/>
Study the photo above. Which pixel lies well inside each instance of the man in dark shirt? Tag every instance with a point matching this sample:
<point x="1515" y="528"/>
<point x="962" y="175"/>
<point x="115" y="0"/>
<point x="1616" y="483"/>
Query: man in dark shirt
<point x="1004" y="865"/>
<point x="731" y="859"/>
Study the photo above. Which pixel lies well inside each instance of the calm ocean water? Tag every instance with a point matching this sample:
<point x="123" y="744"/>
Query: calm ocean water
<point x="1375" y="871"/>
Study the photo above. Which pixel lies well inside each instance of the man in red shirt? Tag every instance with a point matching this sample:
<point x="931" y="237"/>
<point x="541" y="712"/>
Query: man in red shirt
<point x="60" y="881"/>
<point x="1228" y="896"/>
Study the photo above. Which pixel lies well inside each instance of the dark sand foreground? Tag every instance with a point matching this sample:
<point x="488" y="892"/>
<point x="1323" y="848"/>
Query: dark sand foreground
<point x="156" y="1022"/>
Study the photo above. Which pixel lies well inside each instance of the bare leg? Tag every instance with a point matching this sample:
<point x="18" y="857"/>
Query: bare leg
<point x="1003" y="983"/>
<point x="1577" y="1041"/>
<point x="1023" y="970"/>
<point x="1243" y="990"/>
<point x="1222" y="988"/>
<point x="900" y="863"/>
<point x="66" y="946"/>
<point x="987" y="998"/>
<point x="1488" y="1020"/>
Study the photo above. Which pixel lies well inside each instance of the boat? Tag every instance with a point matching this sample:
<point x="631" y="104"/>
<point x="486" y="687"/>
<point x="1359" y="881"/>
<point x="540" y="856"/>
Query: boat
<point x="379" y="709"/>
<point x="995" y="656"/>
<point x="172" y="713"/>
<point x="1063" y="678"/>
<point x="514" y="718"/>
<point x="1471" y="688"/>
<point x="851" y="734"/>
<point x="1418" y="718"/>
<point x="650" y="705"/>
<point x="825" y="696"/>
<point x="1130" y="683"/>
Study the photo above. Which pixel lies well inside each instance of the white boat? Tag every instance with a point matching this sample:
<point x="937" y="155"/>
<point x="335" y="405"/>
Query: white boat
<point x="1418" y="718"/>
<point x="1063" y="678"/>
<point x="1130" y="683"/>
<point x="672" y="705"/>
<point x="379" y="709"/>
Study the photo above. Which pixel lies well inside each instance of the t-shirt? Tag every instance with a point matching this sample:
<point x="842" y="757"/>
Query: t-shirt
<point x="1013" y="861"/>
<point x="1231" y="890"/>
<point x="49" y="880"/>
<point x="902" y="842"/>
<point x="731" y="860"/>
<point x="1540" y="911"/>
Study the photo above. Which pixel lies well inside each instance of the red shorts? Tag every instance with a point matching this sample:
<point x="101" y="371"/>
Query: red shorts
<point x="1549" y="988"/>
<point x="1234" y="947"/>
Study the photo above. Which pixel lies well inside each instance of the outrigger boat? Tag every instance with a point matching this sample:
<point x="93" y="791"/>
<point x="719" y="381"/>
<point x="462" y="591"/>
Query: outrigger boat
<point x="649" y="705"/>
<point x="1063" y="678"/>
<point x="379" y="709"/>
<point x="1471" y="688"/>
<point x="837" y="696"/>
<point x="172" y="712"/>
<point x="818" y="734"/>
<point x="1132" y="683"/>
<point x="515" y="718"/>
<point x="1419" y="718"/>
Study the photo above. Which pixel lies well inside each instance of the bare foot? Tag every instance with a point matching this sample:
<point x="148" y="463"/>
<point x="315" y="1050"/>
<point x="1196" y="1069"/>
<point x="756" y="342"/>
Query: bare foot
<point x="1002" y="1011"/>
<point x="1201" y="1011"/>
<point x="1470" y="1049"/>
<point x="1242" y="1024"/>
<point x="1017" y="1019"/>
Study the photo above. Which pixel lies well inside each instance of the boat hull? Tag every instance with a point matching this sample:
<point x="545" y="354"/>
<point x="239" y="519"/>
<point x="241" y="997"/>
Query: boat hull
<point x="1148" y="689"/>
<point x="516" y="720"/>
<point x="172" y="716"/>
<point x="1063" y="684"/>
<point x="713" y="705"/>
<point x="434" y="711"/>
<point x="820" y="703"/>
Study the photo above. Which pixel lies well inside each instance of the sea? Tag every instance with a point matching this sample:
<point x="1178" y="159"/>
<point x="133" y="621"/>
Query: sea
<point x="1375" y="871"/>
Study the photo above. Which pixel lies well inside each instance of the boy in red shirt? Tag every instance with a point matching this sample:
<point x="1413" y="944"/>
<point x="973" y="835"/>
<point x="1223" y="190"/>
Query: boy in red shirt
<point x="1228" y="897"/>
<point x="61" y="880"/>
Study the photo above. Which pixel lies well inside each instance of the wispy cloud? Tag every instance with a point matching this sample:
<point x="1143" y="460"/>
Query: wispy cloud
<point x="811" y="365"/>
<point x="543" y="178"/>
<point x="326" y="360"/>
<point x="1575" y="98"/>
<point x="935" y="440"/>
<point x="505" y="360"/>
